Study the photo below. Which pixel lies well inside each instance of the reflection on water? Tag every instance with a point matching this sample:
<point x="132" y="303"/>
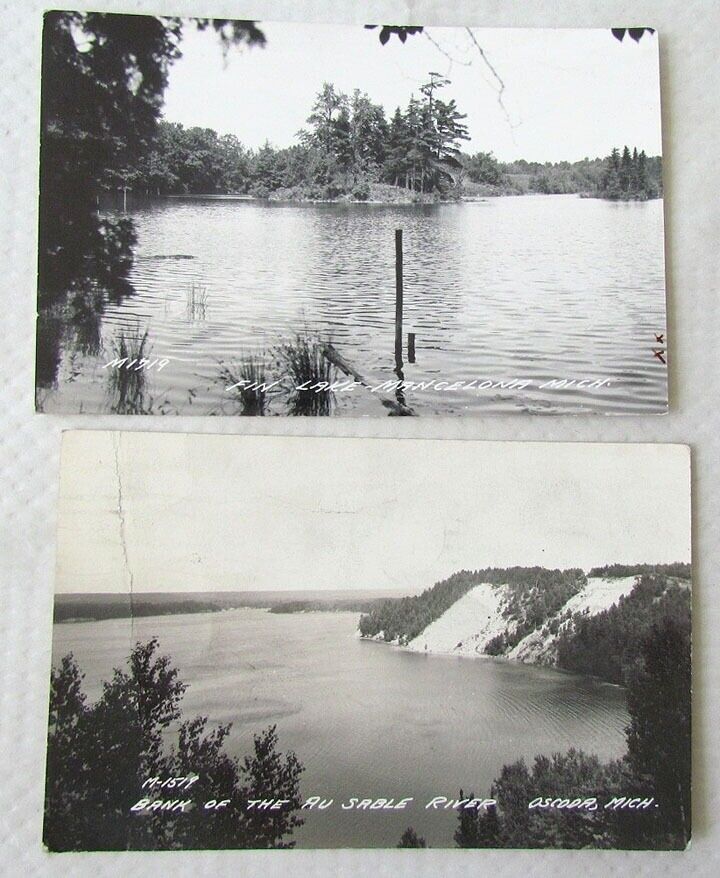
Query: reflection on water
<point x="364" y="718"/>
<point x="535" y="288"/>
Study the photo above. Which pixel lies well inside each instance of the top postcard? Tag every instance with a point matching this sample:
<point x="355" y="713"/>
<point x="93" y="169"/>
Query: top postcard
<point x="256" y="218"/>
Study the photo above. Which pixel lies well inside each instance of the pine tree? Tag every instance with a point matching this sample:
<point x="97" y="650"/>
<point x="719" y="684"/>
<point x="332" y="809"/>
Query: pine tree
<point x="368" y="135"/>
<point x="642" y="176"/>
<point x="625" y="170"/>
<point x="477" y="829"/>
<point x="634" y="175"/>
<point x="342" y="140"/>
<point x="410" y="839"/>
<point x="611" y="178"/>
<point x="395" y="167"/>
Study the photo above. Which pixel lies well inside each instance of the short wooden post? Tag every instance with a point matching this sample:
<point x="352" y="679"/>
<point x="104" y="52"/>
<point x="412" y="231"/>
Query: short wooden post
<point x="398" y="296"/>
<point x="411" y="347"/>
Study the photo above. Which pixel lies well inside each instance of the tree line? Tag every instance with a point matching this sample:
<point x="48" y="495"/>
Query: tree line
<point x="347" y="145"/>
<point x="350" y="150"/>
<point x="678" y="570"/>
<point x="534" y="594"/>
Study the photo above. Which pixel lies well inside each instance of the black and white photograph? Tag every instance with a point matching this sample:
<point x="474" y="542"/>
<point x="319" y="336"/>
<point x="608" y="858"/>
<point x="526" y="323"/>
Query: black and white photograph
<point x="244" y="217"/>
<point x="338" y="643"/>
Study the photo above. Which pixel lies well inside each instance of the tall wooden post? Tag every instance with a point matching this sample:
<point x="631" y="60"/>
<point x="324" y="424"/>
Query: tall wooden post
<point x="398" y="297"/>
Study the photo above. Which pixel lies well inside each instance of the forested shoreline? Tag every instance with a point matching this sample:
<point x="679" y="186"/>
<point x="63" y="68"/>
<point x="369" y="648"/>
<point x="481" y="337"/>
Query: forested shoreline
<point x="350" y="151"/>
<point x="98" y="607"/>
<point x="604" y="645"/>
<point x="401" y="620"/>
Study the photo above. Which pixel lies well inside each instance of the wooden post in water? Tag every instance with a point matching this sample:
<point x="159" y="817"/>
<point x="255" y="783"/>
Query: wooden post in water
<point x="398" y="298"/>
<point x="411" y="347"/>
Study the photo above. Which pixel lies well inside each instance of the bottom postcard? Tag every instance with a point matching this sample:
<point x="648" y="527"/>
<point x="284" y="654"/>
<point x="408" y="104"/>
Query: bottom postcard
<point x="321" y="643"/>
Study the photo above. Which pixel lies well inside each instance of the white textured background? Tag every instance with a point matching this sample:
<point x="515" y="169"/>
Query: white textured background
<point x="29" y="444"/>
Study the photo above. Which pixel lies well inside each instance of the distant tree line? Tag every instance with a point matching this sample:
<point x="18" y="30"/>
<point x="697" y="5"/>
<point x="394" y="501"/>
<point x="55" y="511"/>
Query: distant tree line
<point x="327" y="605"/>
<point x="349" y="146"/>
<point x="79" y="610"/>
<point x="678" y="570"/>
<point x="615" y="177"/>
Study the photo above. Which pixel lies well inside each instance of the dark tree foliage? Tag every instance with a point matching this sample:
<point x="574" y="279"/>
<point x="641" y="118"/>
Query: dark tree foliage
<point x="73" y="610"/>
<point x="483" y="167"/>
<point x="535" y="593"/>
<point x="630" y="176"/>
<point x="410" y="839"/>
<point x="657" y="764"/>
<point x="659" y="734"/>
<point x="103" y="79"/>
<point x="609" y="644"/>
<point x="512" y="824"/>
<point x="100" y="754"/>
<point x="477" y="829"/>
<point x="347" y="145"/>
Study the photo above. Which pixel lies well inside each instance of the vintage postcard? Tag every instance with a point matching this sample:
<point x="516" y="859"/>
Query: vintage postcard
<point x="270" y="642"/>
<point x="257" y="218"/>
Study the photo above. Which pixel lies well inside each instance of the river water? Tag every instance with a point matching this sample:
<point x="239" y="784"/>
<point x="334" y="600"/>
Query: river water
<point x="365" y="719"/>
<point x="531" y="289"/>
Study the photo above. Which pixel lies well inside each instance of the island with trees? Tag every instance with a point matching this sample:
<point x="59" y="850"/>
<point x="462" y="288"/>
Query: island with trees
<point x="350" y="151"/>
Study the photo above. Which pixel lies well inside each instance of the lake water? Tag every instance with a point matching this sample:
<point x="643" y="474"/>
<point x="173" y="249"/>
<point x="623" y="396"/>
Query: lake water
<point x="364" y="718"/>
<point x="534" y="288"/>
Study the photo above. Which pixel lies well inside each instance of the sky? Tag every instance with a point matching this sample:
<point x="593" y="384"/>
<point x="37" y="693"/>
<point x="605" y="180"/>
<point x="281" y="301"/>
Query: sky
<point x="183" y="512"/>
<point x="567" y="93"/>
